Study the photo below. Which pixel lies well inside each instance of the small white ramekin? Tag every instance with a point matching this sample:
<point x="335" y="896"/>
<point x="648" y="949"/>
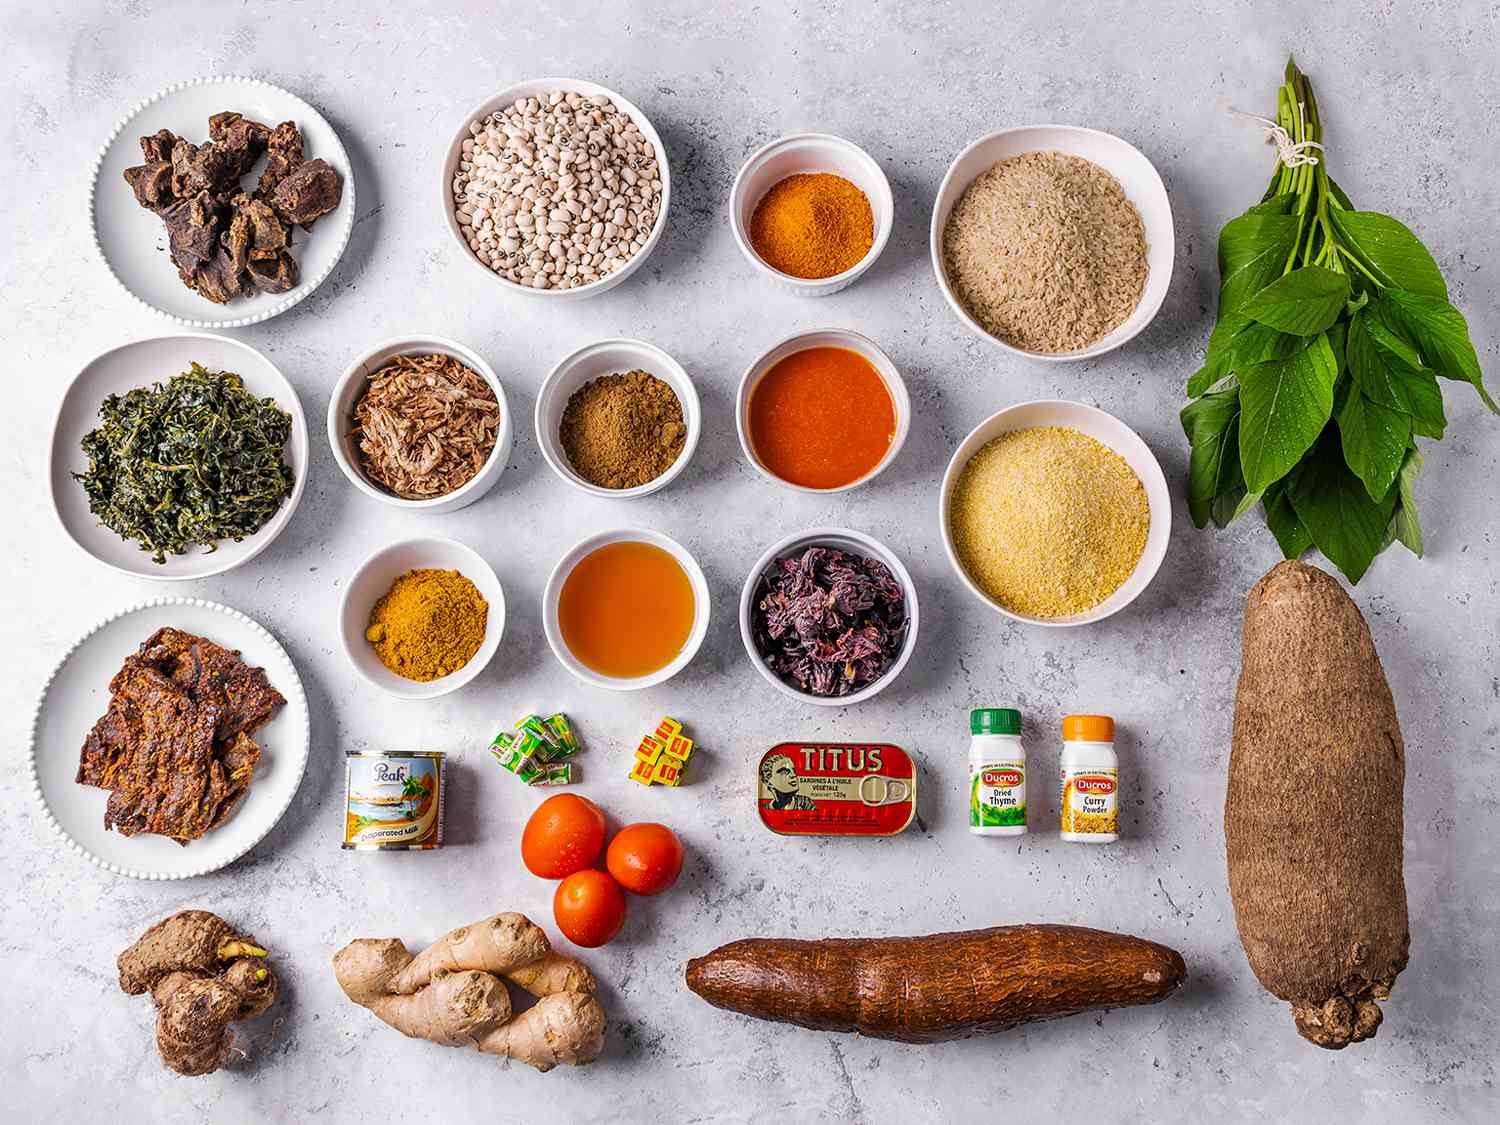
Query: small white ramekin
<point x="1138" y="177"/>
<point x="612" y="357"/>
<point x="372" y="581"/>
<point x="351" y="385"/>
<point x="1109" y="431"/>
<point x="848" y="540"/>
<point x="530" y="89"/>
<point x="824" y="338"/>
<point x="805" y="153"/>
<point x="552" y="595"/>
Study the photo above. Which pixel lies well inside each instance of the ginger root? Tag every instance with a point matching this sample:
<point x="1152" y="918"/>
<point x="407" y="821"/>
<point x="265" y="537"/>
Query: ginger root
<point x="202" y="976"/>
<point x="452" y="992"/>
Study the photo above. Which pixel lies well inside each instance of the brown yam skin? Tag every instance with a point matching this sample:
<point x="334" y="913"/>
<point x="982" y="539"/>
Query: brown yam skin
<point x="1312" y="819"/>
<point x="933" y="989"/>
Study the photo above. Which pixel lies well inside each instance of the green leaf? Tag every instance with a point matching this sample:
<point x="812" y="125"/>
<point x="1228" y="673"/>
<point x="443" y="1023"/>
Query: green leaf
<point x="1389" y="372"/>
<point x="1332" y="504"/>
<point x="1404" y="525"/>
<point x="1276" y="205"/>
<point x="1439" y="332"/>
<point x="1389" y="250"/>
<point x="1285" y="403"/>
<point x="1375" y="439"/>
<point x="1257" y="343"/>
<point x="1291" y="536"/>
<point x="1305" y="302"/>
<point x="1212" y="426"/>
<point x="1253" y="252"/>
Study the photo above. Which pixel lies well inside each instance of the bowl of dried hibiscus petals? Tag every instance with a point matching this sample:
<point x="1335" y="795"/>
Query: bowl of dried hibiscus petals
<point x="829" y="616"/>
<point x="420" y="423"/>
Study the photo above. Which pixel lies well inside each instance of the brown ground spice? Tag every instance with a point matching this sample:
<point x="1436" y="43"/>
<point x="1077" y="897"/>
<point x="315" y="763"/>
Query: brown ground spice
<point x="621" y="431"/>
<point x="429" y="624"/>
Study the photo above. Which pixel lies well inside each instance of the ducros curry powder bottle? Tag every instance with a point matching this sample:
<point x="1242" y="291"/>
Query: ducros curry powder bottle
<point x="997" y="772"/>
<point x="1090" y="780"/>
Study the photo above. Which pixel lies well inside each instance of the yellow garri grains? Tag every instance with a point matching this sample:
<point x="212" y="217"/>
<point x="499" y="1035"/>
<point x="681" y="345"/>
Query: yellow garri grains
<point x="1048" y="521"/>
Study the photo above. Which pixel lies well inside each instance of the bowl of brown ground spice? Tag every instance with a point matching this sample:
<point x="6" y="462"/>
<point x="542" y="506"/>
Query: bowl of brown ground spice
<point x="811" y="212"/>
<point x="618" y="418"/>
<point x="1053" y="242"/>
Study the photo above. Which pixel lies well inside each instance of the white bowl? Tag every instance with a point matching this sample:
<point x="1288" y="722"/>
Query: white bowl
<point x="1107" y="430"/>
<point x="140" y="364"/>
<point x="372" y="581"/>
<point x="533" y="88"/>
<point x="848" y="540"/>
<point x="802" y="153"/>
<point x="612" y="357"/>
<point x="132" y="240"/>
<point x="351" y="385"/>
<point x="585" y="547"/>
<point x="1137" y="176"/>
<point x="825" y="338"/>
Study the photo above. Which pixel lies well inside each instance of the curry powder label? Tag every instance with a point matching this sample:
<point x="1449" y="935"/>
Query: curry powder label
<point x="1090" y="800"/>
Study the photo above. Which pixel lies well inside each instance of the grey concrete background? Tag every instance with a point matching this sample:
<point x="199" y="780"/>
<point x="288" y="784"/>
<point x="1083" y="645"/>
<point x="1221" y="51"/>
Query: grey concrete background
<point x="1411" y="97"/>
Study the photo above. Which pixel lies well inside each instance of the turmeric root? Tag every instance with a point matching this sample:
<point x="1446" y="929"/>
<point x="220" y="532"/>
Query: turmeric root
<point x="452" y="992"/>
<point x="202" y="976"/>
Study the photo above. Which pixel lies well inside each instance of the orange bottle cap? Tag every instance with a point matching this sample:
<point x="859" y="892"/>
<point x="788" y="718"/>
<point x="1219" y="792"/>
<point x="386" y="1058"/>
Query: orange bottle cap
<point x="1088" y="728"/>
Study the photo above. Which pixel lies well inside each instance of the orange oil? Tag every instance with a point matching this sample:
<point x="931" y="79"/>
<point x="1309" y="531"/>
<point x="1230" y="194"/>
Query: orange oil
<point x="626" y="609"/>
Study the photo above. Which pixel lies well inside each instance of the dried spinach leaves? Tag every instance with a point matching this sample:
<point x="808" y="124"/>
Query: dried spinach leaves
<point x="188" y="462"/>
<point x="1334" y="327"/>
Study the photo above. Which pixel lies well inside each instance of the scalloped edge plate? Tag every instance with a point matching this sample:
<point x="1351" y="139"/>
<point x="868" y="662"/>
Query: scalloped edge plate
<point x="132" y="242"/>
<point x="77" y="693"/>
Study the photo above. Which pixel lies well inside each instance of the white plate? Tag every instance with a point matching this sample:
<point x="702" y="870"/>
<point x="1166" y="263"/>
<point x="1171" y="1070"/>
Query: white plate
<point x="1109" y="431"/>
<point x="141" y="364"/>
<point x="133" y="240"/>
<point x="372" y="581"/>
<point x="1139" y="179"/>
<point x="77" y="694"/>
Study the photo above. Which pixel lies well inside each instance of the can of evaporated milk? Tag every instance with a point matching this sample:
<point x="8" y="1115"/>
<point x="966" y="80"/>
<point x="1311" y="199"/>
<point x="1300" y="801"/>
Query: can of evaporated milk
<point x="393" y="800"/>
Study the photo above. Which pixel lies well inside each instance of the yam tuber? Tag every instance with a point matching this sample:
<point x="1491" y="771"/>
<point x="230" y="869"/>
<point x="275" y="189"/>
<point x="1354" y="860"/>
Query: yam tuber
<point x="1312" y="816"/>
<point x="452" y="993"/>
<point x="202" y="976"/>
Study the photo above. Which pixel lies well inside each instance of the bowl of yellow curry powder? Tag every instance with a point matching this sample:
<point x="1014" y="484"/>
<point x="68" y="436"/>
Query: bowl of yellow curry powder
<point x="811" y="212"/>
<point x="1055" y="513"/>
<point x="422" y="617"/>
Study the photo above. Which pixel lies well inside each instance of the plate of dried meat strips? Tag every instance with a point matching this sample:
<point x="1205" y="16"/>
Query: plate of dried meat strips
<point x="221" y="202"/>
<point x="170" y="739"/>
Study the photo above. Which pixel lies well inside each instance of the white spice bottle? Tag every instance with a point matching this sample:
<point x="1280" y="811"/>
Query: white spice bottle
<point x="997" y="772"/>
<point x="1090" y="780"/>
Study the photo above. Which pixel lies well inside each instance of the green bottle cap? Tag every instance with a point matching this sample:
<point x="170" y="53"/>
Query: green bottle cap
<point x="994" y="720"/>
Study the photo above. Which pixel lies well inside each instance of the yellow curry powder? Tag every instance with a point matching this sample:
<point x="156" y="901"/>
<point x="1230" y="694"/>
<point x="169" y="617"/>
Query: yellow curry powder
<point x="1048" y="521"/>
<point x="813" y="225"/>
<point x="430" y="624"/>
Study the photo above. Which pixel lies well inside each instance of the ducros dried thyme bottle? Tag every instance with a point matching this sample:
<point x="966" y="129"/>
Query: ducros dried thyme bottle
<point x="1090" y="780"/>
<point x="997" y="772"/>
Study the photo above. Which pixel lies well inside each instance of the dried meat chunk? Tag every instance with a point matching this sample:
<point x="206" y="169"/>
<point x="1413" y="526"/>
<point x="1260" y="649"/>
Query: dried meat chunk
<point x="311" y="190"/>
<point x="151" y="183"/>
<point x="283" y="153"/>
<point x="239" y="138"/>
<point x="277" y="276"/>
<point x="211" y="673"/>
<point x="159" y="145"/>
<point x="193" y="229"/>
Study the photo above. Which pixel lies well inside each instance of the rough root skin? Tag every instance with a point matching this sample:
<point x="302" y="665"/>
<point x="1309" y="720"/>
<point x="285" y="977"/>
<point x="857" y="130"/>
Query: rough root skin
<point x="452" y="992"/>
<point x="202" y="976"/>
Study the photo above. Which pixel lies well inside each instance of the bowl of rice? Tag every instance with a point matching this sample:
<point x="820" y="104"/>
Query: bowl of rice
<point x="1053" y="241"/>
<point x="1055" y="513"/>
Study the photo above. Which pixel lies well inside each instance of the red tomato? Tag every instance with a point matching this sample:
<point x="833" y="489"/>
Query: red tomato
<point x="589" y="908"/>
<point x="645" y="859"/>
<point x="564" y="835"/>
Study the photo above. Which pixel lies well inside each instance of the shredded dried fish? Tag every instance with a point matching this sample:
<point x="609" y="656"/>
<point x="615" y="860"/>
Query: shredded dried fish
<point x="426" y="425"/>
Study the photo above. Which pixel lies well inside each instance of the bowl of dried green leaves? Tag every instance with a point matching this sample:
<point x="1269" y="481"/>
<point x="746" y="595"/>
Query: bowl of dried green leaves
<point x="178" y="457"/>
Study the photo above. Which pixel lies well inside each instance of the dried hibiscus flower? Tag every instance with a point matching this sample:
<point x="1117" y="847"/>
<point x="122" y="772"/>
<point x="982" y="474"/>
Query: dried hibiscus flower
<point x="829" y="621"/>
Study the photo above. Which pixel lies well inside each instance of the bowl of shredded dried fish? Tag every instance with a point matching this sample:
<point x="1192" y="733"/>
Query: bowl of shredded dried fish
<point x="420" y="423"/>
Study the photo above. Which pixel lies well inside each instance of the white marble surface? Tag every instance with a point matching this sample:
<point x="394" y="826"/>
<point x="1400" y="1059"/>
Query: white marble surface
<point x="1410" y="100"/>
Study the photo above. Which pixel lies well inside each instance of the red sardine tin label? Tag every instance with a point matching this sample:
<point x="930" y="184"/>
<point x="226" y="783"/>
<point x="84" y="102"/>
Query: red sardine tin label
<point x="836" y="789"/>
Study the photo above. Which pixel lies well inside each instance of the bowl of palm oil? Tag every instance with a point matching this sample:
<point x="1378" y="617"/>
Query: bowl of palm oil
<point x="822" y="411"/>
<point x="626" y="609"/>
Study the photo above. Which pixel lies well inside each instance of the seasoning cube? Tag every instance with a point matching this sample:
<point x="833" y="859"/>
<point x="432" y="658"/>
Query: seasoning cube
<point x="649" y="749"/>
<point x="667" y="728"/>
<point x="642" y="771"/>
<point x="562" y="731"/>
<point x="548" y="744"/>
<point x="667" y="772"/>
<point x="679" y="747"/>
<point x="558" y="773"/>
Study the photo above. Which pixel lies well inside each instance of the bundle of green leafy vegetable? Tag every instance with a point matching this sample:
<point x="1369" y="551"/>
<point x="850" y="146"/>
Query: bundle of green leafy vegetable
<point x="192" y="461"/>
<point x="1322" y="370"/>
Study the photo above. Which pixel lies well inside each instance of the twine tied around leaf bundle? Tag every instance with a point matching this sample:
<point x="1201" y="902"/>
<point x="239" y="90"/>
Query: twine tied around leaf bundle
<point x="1294" y="154"/>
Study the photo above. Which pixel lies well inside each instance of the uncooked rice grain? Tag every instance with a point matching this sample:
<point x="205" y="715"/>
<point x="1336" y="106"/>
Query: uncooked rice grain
<point x="1045" y="252"/>
<point x="1048" y="521"/>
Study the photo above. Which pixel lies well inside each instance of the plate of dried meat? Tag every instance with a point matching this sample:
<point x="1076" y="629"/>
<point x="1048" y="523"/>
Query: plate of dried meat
<point x="169" y="739"/>
<point x="221" y="202"/>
